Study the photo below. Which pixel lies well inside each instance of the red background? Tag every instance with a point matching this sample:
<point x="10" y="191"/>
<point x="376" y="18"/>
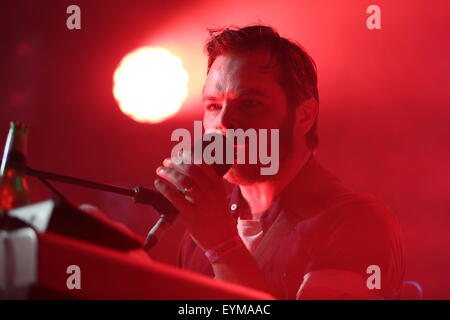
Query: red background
<point x="384" y="119"/>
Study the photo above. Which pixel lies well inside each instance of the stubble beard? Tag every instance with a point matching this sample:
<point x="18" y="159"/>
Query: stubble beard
<point x="248" y="174"/>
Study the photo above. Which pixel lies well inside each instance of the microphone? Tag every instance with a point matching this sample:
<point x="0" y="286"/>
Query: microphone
<point x="161" y="204"/>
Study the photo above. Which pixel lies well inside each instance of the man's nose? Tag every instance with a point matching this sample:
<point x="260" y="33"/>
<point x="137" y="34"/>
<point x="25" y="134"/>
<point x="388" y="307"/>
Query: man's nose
<point x="227" y="120"/>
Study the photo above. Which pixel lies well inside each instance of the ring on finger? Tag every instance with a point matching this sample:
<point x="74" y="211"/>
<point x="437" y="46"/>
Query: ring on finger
<point x="188" y="190"/>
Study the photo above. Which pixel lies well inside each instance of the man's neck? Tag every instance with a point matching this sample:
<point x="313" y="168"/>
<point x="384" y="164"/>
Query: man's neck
<point x="260" y="195"/>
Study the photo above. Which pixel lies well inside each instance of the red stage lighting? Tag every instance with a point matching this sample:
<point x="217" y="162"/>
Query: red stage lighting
<point x="150" y="84"/>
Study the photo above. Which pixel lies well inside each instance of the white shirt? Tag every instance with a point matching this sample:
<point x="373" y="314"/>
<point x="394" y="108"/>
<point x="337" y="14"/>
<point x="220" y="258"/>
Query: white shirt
<point x="250" y="232"/>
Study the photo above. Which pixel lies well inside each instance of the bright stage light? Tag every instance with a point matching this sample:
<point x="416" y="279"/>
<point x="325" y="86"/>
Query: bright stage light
<point x="150" y="84"/>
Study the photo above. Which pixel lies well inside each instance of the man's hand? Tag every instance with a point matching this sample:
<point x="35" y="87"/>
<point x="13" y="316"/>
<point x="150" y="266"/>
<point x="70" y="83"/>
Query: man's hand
<point x="203" y="207"/>
<point x="198" y="193"/>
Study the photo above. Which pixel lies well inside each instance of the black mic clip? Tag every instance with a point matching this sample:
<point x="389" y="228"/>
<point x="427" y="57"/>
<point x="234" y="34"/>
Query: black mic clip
<point x="156" y="200"/>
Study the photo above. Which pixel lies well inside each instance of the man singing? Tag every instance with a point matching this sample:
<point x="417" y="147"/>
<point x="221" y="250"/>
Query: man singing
<point x="298" y="234"/>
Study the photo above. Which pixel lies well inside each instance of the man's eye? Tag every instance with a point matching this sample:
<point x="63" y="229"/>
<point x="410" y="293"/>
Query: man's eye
<point x="251" y="103"/>
<point x="212" y="107"/>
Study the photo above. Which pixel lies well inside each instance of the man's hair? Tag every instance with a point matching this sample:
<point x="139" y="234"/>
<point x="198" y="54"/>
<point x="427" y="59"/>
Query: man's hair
<point x="298" y="75"/>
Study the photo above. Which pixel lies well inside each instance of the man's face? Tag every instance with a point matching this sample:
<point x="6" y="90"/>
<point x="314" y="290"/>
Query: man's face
<point x="241" y="92"/>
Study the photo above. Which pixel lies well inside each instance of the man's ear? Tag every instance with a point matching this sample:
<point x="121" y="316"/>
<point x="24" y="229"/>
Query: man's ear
<point x="306" y="114"/>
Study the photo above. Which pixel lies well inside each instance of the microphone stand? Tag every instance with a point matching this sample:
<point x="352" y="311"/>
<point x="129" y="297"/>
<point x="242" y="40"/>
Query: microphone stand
<point x="79" y="182"/>
<point x="139" y="194"/>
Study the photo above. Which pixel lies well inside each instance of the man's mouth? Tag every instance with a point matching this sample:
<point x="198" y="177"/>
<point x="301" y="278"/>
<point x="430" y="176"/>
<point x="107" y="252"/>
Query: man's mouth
<point x="239" y="149"/>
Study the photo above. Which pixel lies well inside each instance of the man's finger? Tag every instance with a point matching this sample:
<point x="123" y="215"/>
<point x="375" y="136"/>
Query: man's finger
<point x="176" y="198"/>
<point x="178" y="179"/>
<point x="204" y="179"/>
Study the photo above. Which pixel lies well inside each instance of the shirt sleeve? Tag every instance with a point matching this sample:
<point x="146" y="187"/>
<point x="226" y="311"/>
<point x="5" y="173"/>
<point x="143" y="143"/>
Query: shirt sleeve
<point x="356" y="236"/>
